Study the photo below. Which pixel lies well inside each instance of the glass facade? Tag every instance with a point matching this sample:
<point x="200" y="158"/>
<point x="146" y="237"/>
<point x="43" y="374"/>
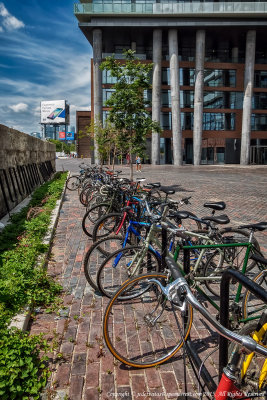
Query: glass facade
<point x="219" y="99"/>
<point x="220" y="77"/>
<point x="218" y="121"/>
<point x="211" y="121"/>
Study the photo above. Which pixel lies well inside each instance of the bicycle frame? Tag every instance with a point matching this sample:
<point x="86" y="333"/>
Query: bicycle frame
<point x="249" y="246"/>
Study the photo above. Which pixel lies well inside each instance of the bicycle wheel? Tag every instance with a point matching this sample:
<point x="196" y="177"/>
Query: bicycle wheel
<point x="237" y="254"/>
<point x="124" y="264"/>
<point x="251" y="372"/>
<point x="92" y="215"/>
<point x="85" y="192"/>
<point x="73" y="182"/>
<point x="108" y="224"/>
<point x="97" y="254"/>
<point x="143" y="332"/>
<point x="189" y="224"/>
<point x="252" y="307"/>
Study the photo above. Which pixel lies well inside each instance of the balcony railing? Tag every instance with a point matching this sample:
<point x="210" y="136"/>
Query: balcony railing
<point x="162" y="9"/>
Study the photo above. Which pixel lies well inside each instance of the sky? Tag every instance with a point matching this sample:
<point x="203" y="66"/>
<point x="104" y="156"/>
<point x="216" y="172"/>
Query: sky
<point x="43" y="56"/>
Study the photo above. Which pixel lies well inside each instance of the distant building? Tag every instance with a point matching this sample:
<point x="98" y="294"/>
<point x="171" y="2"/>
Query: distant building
<point x="36" y="134"/>
<point x="84" y="143"/>
<point x="209" y="83"/>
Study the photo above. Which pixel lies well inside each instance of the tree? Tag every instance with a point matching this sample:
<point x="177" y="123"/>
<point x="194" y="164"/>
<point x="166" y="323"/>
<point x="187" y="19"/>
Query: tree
<point x="62" y="146"/>
<point x="104" y="136"/>
<point x="129" y="112"/>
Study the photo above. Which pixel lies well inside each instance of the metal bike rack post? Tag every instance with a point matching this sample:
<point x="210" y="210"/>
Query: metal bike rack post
<point x="7" y="185"/>
<point x="13" y="183"/>
<point x="4" y="195"/>
<point x="17" y="181"/>
<point x="256" y="289"/>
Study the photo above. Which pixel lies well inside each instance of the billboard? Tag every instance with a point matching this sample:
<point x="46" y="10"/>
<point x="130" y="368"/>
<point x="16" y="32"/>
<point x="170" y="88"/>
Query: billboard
<point x="70" y="136"/>
<point x="54" y="112"/>
<point x="67" y="136"/>
<point x="61" y="136"/>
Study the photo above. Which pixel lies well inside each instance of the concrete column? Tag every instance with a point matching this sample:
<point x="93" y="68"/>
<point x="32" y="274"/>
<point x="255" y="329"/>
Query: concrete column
<point x="235" y="54"/>
<point x="198" y="100"/>
<point x="97" y="74"/>
<point x="175" y="98"/>
<point x="156" y="93"/>
<point x="248" y="93"/>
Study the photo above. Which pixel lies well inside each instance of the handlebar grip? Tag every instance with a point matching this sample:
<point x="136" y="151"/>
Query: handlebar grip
<point x="173" y="267"/>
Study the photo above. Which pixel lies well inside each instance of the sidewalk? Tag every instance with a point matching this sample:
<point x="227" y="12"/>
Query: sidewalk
<point x="82" y="368"/>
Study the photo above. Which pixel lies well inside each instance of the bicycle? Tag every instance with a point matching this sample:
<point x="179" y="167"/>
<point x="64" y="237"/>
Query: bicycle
<point x="135" y="332"/>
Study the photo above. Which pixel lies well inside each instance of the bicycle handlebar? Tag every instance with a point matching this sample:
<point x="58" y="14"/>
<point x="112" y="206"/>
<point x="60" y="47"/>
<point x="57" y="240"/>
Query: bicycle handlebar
<point x="183" y="290"/>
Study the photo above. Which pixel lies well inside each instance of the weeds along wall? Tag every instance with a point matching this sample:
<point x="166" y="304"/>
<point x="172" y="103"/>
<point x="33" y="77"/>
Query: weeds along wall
<point x="25" y="163"/>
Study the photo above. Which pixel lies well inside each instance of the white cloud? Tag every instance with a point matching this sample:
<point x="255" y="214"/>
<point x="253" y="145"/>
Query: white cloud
<point x="9" y="21"/>
<point x="20" y="107"/>
<point x="3" y="10"/>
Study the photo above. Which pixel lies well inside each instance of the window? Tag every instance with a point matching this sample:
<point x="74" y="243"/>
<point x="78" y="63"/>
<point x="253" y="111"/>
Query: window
<point x="166" y="98"/>
<point x="219" y="77"/>
<point x="259" y="122"/>
<point x="187" y="76"/>
<point x="259" y="101"/>
<point x="218" y="121"/>
<point x="260" y="80"/>
<point x="223" y="100"/>
<point x="107" y="78"/>
<point x="187" y="120"/>
<point x="165" y="76"/>
<point x="165" y="121"/>
<point x="106" y="95"/>
<point x="187" y="99"/>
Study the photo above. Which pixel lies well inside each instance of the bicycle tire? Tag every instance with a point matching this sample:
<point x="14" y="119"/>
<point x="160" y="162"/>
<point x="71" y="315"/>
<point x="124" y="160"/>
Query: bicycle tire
<point x="216" y="265"/>
<point x="189" y="224"/>
<point x="92" y="215"/>
<point x="108" y="224"/>
<point x="252" y="307"/>
<point x="73" y="182"/>
<point x="247" y="377"/>
<point x="121" y="265"/>
<point x="240" y="235"/>
<point x="96" y="255"/>
<point x="133" y="334"/>
<point x="84" y="192"/>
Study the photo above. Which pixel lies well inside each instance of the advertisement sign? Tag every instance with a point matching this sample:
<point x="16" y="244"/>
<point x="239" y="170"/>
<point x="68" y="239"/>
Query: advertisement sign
<point x="54" y="112"/>
<point x="68" y="136"/>
<point x="61" y="136"/>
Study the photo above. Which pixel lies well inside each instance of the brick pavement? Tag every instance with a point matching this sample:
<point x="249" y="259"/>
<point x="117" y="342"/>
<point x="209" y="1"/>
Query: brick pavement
<point x="82" y="368"/>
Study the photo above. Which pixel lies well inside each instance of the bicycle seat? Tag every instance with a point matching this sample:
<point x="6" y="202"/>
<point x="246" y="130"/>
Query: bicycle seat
<point x="259" y="259"/>
<point x="155" y="184"/>
<point x="218" y="219"/>
<point x="260" y="226"/>
<point x="140" y="179"/>
<point x="167" y="190"/>
<point x="218" y="205"/>
<point x="179" y="214"/>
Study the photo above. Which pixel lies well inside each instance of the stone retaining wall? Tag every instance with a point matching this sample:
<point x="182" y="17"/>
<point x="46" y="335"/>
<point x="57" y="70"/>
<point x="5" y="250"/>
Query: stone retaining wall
<point x="25" y="163"/>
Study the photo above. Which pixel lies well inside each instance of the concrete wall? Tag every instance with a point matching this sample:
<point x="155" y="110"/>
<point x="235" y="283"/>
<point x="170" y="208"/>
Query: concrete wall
<point x="25" y="163"/>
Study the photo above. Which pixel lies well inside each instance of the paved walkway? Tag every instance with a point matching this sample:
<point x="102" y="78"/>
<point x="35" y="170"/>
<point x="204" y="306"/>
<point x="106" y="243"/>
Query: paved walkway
<point x="82" y="368"/>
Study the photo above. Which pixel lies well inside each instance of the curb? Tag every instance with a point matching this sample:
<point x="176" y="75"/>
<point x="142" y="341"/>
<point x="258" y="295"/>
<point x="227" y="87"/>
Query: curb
<point x="21" y="320"/>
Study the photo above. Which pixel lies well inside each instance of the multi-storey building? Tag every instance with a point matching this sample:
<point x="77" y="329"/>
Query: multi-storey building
<point x="209" y="80"/>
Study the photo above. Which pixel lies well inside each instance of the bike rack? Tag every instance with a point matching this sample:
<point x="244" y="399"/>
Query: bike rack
<point x="253" y="287"/>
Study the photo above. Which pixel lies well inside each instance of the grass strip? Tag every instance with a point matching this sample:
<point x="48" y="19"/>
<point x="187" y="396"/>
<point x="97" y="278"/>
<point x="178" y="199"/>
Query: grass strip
<point x="23" y="373"/>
